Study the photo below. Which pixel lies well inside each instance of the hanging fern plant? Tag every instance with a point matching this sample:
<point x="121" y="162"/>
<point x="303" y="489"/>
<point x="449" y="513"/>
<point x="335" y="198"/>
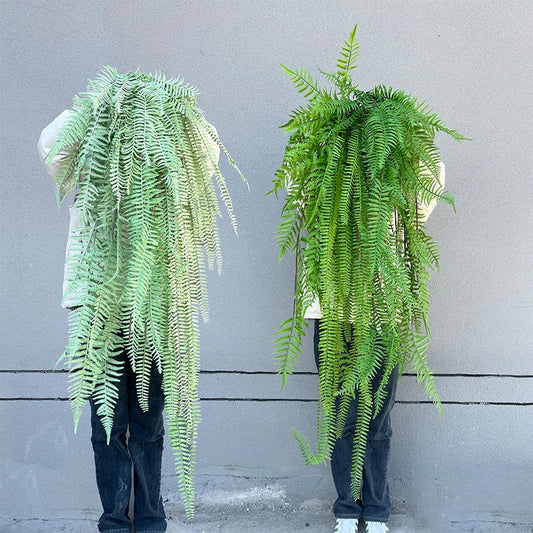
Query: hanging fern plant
<point x="142" y="165"/>
<point x="357" y="168"/>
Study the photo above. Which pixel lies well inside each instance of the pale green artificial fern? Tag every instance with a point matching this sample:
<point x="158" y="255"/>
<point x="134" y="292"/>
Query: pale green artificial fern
<point x="145" y="171"/>
<point x="356" y="167"/>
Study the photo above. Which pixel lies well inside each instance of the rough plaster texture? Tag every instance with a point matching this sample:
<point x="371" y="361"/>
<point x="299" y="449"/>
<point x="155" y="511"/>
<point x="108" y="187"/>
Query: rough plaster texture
<point x="469" y="60"/>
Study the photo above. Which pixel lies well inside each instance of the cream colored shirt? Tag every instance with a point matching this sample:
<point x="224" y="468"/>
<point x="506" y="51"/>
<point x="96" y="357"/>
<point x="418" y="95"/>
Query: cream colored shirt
<point x="47" y="140"/>
<point x="314" y="311"/>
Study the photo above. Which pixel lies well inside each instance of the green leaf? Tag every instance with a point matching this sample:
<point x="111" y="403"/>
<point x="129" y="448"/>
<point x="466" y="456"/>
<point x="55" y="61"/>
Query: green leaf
<point x="305" y="84"/>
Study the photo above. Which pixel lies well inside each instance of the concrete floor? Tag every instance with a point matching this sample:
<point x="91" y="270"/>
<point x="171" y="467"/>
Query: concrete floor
<point x="257" y="521"/>
<point x="266" y="510"/>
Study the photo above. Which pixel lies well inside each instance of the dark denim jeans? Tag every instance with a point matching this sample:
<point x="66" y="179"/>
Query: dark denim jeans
<point x="375" y="505"/>
<point x="142" y="449"/>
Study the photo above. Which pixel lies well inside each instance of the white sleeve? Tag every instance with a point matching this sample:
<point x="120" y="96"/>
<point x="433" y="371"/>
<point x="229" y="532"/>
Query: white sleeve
<point x="46" y="142"/>
<point x="214" y="151"/>
<point x="425" y="210"/>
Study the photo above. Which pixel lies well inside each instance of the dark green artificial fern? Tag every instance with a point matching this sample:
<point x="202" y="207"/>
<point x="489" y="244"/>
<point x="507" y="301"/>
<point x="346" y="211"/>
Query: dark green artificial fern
<point x="143" y="166"/>
<point x="357" y="168"/>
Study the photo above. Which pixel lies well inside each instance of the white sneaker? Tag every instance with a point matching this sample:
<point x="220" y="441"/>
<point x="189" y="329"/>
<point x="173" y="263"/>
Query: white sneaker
<point x="346" y="525"/>
<point x="376" y="527"/>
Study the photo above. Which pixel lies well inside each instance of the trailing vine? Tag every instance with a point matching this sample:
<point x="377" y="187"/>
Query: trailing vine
<point x="143" y="160"/>
<point x="357" y="170"/>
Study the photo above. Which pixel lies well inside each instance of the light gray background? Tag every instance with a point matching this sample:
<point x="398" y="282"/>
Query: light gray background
<point x="470" y="60"/>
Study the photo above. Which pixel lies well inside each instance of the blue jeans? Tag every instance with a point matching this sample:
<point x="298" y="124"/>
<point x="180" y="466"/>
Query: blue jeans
<point x="142" y="450"/>
<point x="375" y="504"/>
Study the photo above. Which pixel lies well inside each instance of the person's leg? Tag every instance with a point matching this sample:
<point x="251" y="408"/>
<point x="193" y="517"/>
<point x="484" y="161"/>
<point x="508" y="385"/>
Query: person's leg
<point x="113" y="463"/>
<point x="146" y="448"/>
<point x="341" y="458"/>
<point x="375" y="490"/>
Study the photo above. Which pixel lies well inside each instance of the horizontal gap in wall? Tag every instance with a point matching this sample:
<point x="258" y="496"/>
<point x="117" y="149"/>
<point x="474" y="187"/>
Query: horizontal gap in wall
<point x="303" y="400"/>
<point x="267" y="373"/>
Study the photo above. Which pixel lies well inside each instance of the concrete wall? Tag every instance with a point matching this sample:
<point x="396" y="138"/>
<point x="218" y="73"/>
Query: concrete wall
<point x="468" y="59"/>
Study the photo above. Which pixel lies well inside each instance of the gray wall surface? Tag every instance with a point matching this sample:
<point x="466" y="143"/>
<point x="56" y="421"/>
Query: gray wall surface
<point x="468" y="59"/>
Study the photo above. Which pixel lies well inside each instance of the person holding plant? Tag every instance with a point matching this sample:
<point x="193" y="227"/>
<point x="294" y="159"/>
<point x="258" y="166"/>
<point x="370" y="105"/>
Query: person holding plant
<point x="141" y="157"/>
<point x="374" y="504"/>
<point x="361" y="174"/>
<point x="143" y="448"/>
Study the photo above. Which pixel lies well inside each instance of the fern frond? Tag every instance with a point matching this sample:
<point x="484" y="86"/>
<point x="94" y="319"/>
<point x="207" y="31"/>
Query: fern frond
<point x="305" y="84"/>
<point x="288" y="345"/>
<point x="357" y="167"/>
<point x="346" y="61"/>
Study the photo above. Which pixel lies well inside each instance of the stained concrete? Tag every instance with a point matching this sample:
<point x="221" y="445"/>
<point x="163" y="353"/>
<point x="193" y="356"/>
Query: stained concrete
<point x="265" y="510"/>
